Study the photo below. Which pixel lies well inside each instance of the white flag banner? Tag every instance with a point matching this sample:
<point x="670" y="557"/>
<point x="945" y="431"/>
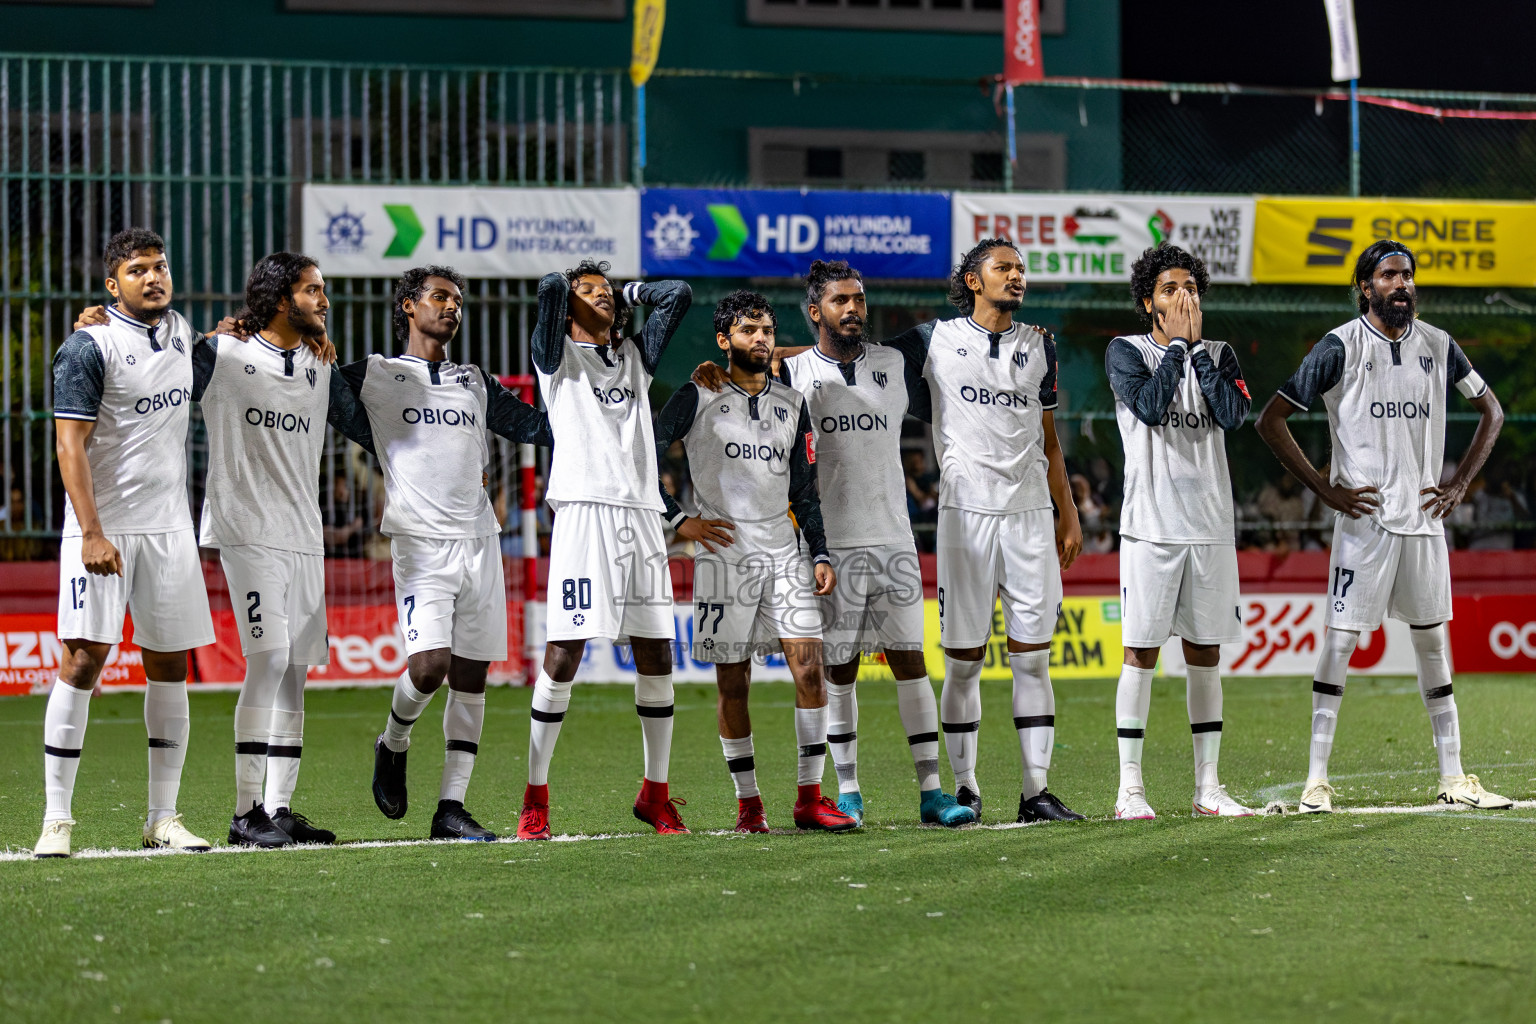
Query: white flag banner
<point x="1342" y="39"/>
<point x="382" y="230"/>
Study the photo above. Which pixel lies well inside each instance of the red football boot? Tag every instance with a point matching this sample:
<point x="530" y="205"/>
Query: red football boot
<point x="815" y="812"/>
<point x="534" y="821"/>
<point x="749" y="815"/>
<point x="654" y="807"/>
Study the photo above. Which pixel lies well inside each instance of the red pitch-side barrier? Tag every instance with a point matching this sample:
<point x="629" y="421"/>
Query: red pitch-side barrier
<point x="1494" y="628"/>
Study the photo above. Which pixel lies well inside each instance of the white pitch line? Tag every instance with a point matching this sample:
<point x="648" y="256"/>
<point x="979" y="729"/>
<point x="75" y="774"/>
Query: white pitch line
<point x="1279" y="790"/>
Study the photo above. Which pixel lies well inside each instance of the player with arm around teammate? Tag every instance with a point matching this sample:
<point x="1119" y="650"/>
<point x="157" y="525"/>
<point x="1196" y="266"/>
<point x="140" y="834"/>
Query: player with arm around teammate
<point x="608" y="573"/>
<point x="751" y="453"/>
<point x="1176" y="393"/>
<point x="122" y="392"/>
<point x="427" y="417"/>
<point x="857" y="393"/>
<point x="1385" y="379"/>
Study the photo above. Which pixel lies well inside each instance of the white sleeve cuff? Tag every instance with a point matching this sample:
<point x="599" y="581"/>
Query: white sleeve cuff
<point x="632" y="293"/>
<point x="1471" y="386"/>
<point x="677" y="520"/>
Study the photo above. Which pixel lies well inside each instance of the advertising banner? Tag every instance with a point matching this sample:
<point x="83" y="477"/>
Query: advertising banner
<point x="30" y="653"/>
<point x="1494" y="633"/>
<point x="1022" y="60"/>
<point x="1283" y="634"/>
<point x="1066" y="237"/>
<point x="1461" y="243"/>
<point x="1086" y="644"/>
<point x="382" y="230"/>
<point x="777" y="233"/>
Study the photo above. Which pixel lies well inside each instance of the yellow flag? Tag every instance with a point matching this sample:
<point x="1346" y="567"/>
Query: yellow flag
<point x="650" y="15"/>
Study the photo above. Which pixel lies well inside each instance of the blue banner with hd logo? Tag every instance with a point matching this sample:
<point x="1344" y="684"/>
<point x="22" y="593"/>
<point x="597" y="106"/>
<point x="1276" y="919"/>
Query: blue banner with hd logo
<point x="689" y="232"/>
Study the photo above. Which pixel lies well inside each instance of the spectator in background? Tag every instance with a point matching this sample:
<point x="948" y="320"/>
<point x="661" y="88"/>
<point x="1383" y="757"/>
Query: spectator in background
<point x="1496" y="503"/>
<point x="1281" y="503"/>
<point x="1107" y="485"/>
<point x="343" y="524"/>
<point x="1098" y="538"/>
<point x="922" y="497"/>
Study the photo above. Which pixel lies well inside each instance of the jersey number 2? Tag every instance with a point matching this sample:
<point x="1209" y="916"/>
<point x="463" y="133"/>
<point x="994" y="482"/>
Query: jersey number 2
<point x="253" y="613"/>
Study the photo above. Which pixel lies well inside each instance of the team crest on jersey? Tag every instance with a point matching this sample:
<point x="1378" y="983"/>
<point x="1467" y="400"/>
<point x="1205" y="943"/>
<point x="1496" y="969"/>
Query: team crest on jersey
<point x="176" y="342"/>
<point x="1020" y="359"/>
<point x="1428" y="362"/>
<point x="1368" y="366"/>
<point x="311" y="376"/>
<point x="463" y="380"/>
<point x="400" y="377"/>
<point x="131" y="360"/>
<point x="725" y="408"/>
<point x="782" y="413"/>
<point x="879" y="377"/>
<point x="961" y="351"/>
<point x="816" y="384"/>
<point x="249" y="368"/>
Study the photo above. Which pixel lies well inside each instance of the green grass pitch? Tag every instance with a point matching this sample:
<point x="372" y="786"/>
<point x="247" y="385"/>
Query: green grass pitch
<point x="1353" y="917"/>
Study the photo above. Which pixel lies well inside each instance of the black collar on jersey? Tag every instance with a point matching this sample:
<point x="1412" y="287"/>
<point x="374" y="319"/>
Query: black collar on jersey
<point x="286" y="353"/>
<point x="846" y="369"/>
<point x="751" y="398"/>
<point x="1397" y="346"/>
<point x="432" y="368"/>
<point x="994" y="338"/>
<point x="149" y="329"/>
<point x="602" y="351"/>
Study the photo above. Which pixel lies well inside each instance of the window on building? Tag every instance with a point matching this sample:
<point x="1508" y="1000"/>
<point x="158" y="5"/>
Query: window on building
<point x="798" y="156"/>
<point x="918" y="15"/>
<point x="595" y="9"/>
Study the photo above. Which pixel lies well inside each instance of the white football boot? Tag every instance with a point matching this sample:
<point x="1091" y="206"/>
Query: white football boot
<point x="54" y="842"/>
<point x="1213" y="802"/>
<point x="1317" y="798"/>
<point x="1131" y="805"/>
<point x="171" y="834"/>
<point x="1466" y="790"/>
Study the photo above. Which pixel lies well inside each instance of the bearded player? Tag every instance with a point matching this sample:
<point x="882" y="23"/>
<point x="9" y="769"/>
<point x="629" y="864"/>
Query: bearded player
<point x="751" y="454"/>
<point x="1385" y="379"/>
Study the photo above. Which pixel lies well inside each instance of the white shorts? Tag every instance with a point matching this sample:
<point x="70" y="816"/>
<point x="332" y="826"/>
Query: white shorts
<point x="742" y="608"/>
<point x="1184" y="590"/>
<point x="983" y="557"/>
<point x="877" y="603"/>
<point x="1373" y="574"/>
<point x="162" y="584"/>
<point x="608" y="574"/>
<point x="451" y="593"/>
<point x="279" y="601"/>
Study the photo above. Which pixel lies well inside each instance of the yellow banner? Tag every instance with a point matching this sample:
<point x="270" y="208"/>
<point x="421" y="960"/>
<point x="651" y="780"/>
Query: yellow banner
<point x="1464" y="243"/>
<point x="650" y="16"/>
<point x="1086" y="644"/>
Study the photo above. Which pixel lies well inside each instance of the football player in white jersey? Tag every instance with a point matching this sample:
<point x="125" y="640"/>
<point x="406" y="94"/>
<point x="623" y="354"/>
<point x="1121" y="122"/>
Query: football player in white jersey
<point x="428" y="418"/>
<point x="265" y="396"/>
<point x="857" y="393"/>
<point x="1385" y="380"/>
<point x="993" y="385"/>
<point x="1176" y="392"/>
<point x="608" y="573"/>
<point x="751" y="452"/>
<point x="121" y="397"/>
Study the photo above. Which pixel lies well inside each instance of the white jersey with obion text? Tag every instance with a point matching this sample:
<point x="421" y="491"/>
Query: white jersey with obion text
<point x="1386" y="403"/>
<point x="265" y="409"/>
<point x="990" y="392"/>
<point x="428" y="423"/>
<point x="1173" y="408"/>
<point x="134" y="381"/>
<point x="856" y="409"/>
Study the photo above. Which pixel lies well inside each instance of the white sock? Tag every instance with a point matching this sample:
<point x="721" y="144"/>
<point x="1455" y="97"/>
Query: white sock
<point x="1203" y="698"/>
<point x="960" y="711"/>
<point x="405" y="707"/>
<point x="1034" y="716"/>
<point x="63" y="735"/>
<point x="811" y="736"/>
<point x="1133" y="699"/>
<point x="1431" y="649"/>
<point x="168" y="720"/>
<point x="287" y="744"/>
<point x="463" y="720"/>
<point x="742" y="765"/>
<point x="843" y="734"/>
<point x="550" y="699"/>
<point x="920" y="720"/>
<point x="654" y="705"/>
<point x="1327" y="695"/>
<point x="253" y="725"/>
